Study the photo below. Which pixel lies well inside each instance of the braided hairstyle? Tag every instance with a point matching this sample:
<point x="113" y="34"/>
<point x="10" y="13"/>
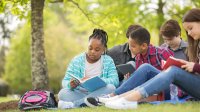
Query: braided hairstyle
<point x="100" y="35"/>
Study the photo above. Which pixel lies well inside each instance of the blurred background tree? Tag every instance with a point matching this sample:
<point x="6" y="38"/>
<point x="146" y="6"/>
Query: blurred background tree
<point x="60" y="48"/>
<point x="67" y="25"/>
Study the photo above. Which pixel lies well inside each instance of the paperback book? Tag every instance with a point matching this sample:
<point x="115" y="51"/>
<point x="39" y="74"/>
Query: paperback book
<point x="91" y="84"/>
<point x="171" y="61"/>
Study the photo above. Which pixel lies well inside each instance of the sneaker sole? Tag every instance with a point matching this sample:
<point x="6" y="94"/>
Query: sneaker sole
<point x="119" y="108"/>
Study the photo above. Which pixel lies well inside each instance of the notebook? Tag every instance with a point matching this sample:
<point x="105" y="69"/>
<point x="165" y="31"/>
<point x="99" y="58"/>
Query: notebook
<point x="125" y="68"/>
<point x="91" y="84"/>
<point x="171" y="61"/>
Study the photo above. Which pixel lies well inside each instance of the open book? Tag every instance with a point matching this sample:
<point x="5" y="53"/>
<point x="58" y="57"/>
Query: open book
<point x="125" y="68"/>
<point x="171" y="61"/>
<point x="91" y="84"/>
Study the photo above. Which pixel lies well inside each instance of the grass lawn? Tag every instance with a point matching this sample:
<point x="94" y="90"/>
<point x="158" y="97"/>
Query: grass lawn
<point x="5" y="99"/>
<point x="186" y="107"/>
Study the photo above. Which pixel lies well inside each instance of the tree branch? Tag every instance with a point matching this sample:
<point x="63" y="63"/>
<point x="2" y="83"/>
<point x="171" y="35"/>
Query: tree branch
<point x="87" y="15"/>
<point x="55" y="1"/>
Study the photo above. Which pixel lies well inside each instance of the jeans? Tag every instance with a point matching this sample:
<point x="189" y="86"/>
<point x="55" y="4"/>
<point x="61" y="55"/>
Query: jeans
<point x="77" y="95"/>
<point x="144" y="73"/>
<point x="188" y="82"/>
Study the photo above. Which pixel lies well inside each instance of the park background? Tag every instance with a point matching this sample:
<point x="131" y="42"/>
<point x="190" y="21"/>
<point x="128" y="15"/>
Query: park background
<point x="67" y="26"/>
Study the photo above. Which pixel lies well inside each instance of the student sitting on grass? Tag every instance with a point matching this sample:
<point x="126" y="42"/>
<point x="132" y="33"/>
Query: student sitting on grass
<point x="139" y="42"/>
<point x="121" y="54"/>
<point x="171" y="34"/>
<point x="92" y="63"/>
<point x="187" y="77"/>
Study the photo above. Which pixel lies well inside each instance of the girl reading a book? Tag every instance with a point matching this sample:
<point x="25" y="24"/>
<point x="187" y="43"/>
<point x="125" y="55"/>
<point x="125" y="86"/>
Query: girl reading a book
<point x="92" y="63"/>
<point x="187" y="77"/>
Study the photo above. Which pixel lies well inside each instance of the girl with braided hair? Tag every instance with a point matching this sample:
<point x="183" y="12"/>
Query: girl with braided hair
<point x="93" y="62"/>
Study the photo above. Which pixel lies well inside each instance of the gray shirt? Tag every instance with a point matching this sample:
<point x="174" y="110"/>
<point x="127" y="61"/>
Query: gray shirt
<point x="179" y="53"/>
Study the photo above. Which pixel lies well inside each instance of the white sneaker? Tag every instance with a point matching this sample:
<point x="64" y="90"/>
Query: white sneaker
<point x="121" y="104"/>
<point x="105" y="96"/>
<point x="65" y="105"/>
<point x="104" y="100"/>
<point x="97" y="101"/>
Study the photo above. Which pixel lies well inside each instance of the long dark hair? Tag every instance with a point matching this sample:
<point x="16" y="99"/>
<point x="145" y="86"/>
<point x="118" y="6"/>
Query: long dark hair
<point x="192" y="15"/>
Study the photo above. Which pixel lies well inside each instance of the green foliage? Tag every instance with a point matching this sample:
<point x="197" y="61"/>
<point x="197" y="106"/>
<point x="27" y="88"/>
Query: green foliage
<point x="19" y="8"/>
<point x="17" y="70"/>
<point x="116" y="16"/>
<point x="2" y="6"/>
<point x="196" y="3"/>
<point x="177" y="15"/>
<point x="112" y="16"/>
<point x="60" y="47"/>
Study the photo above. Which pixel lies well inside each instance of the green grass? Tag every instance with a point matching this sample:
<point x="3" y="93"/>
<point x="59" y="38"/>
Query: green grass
<point x="186" y="107"/>
<point x="6" y="99"/>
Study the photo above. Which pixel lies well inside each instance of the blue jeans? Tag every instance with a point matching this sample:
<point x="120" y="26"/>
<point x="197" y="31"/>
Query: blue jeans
<point x="188" y="82"/>
<point x="144" y="73"/>
<point x="77" y="95"/>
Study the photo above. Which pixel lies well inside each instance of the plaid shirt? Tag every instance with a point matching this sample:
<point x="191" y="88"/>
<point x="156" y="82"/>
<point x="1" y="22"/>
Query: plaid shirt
<point x="154" y="56"/>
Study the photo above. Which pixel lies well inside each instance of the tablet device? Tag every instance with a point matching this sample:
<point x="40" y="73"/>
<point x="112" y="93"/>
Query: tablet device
<point x="125" y="68"/>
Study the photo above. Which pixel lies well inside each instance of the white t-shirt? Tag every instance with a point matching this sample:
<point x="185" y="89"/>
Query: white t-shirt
<point x="93" y="69"/>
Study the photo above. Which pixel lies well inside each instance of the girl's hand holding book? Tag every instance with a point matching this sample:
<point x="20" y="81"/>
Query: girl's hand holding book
<point x="126" y="76"/>
<point x="188" y="66"/>
<point x="74" y="83"/>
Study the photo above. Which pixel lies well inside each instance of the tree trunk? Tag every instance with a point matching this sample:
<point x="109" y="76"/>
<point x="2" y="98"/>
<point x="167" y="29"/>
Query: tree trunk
<point x="161" y="19"/>
<point x="2" y="60"/>
<point x="39" y="65"/>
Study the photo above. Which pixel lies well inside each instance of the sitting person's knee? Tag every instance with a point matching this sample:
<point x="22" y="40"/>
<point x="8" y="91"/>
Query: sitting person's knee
<point x="62" y="93"/>
<point x="145" y="65"/>
<point x="111" y="87"/>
